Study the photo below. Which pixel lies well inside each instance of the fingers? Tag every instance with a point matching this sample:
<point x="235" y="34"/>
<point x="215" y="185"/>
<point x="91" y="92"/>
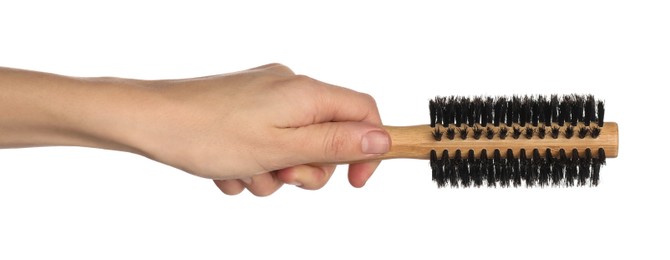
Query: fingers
<point x="320" y="102"/>
<point x="337" y="142"/>
<point x="307" y="176"/>
<point x="343" y="104"/>
<point x="229" y="187"/>
<point x="260" y="185"/>
<point x="359" y="173"/>
<point x="304" y="176"/>
<point x="321" y="125"/>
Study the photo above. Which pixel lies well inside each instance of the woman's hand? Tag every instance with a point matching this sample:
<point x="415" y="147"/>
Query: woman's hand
<point x="263" y="127"/>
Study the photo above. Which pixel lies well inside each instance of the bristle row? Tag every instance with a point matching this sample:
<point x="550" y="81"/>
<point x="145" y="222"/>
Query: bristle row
<point x="519" y="110"/>
<point x="528" y="132"/>
<point x="529" y="169"/>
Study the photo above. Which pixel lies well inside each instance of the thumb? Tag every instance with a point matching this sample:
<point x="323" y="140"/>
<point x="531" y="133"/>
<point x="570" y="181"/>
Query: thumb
<point x="337" y="142"/>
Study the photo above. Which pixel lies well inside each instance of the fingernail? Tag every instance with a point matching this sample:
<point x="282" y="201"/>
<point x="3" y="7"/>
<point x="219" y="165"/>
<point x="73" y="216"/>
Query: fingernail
<point x="247" y="180"/>
<point x="375" y="142"/>
<point x="295" y="183"/>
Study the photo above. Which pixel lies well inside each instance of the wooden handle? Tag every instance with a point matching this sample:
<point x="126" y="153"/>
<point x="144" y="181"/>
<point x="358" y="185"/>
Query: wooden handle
<point x="417" y="141"/>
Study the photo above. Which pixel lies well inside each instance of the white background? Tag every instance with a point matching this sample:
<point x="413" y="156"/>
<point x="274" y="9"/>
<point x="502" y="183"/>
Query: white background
<point x="76" y="203"/>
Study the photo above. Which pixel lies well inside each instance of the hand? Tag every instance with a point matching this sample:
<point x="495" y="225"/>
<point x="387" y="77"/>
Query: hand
<point x="263" y="127"/>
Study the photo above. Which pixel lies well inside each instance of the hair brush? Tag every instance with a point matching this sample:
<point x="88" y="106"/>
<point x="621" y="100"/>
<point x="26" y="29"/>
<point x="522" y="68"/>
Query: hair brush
<point x="511" y="141"/>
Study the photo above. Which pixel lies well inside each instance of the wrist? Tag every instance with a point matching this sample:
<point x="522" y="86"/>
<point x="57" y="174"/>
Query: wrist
<point x="41" y="109"/>
<point x="109" y="113"/>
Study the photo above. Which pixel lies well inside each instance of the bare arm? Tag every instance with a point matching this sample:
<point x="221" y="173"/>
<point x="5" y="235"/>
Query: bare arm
<point x="254" y="129"/>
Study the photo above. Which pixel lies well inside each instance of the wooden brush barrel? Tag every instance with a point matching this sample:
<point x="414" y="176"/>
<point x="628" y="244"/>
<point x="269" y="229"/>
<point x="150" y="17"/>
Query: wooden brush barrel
<point x="417" y="142"/>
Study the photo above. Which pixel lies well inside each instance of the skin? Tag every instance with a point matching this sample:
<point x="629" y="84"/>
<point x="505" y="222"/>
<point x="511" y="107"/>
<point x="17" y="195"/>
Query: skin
<point x="255" y="129"/>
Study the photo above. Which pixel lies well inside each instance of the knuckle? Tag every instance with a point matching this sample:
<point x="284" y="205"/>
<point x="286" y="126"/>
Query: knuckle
<point x="303" y="80"/>
<point x="273" y="64"/>
<point x="369" y="99"/>
<point x="280" y="68"/>
<point x="335" y="143"/>
<point x="318" y="184"/>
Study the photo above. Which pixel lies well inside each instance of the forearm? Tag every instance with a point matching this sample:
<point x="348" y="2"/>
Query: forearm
<point x="253" y="129"/>
<point x="40" y="109"/>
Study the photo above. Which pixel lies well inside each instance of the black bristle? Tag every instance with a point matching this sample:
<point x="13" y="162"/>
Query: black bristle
<point x="565" y="110"/>
<point x="534" y="172"/>
<point x="467" y="176"/>
<point x="597" y="163"/>
<point x="571" y="169"/>
<point x="560" y="165"/>
<point x="584" y="167"/>
<point x="589" y="110"/>
<point x="516" y="107"/>
<point x="544" y="167"/>
<point x="583" y="132"/>
<point x="463" y="131"/>
<point x="441" y="106"/>
<point x="555" y="131"/>
<point x="463" y="172"/>
<point x="551" y="168"/>
<point x="601" y="113"/>
<point x="458" y="112"/>
<point x="535" y="111"/>
<point x="498" y="164"/>
<point x="512" y="110"/>
<point x="437" y="134"/>
<point x="448" y="113"/>
<point x="516" y="132"/>
<point x="528" y="132"/>
<point x="440" y="180"/>
<point x="490" y="133"/>
<point x="450" y="133"/>
<point x="553" y="110"/>
<point x="487" y="112"/>
<point x="444" y="111"/>
<point x="450" y="170"/>
<point x="477" y="106"/>
<point x="446" y="165"/>
<point x="471" y="112"/>
<point x="515" y="170"/>
<point x="499" y="111"/>
<point x="525" y="168"/>
<point x="502" y="133"/>
<point x="487" y="169"/>
<point x="459" y="164"/>
<point x="477" y="132"/>
<point x="601" y="156"/>
<point x="546" y="112"/>
<point x="595" y="132"/>
<point x="475" y="169"/>
<point x="506" y="172"/>
<point x="464" y="113"/>
<point x="541" y="132"/>
<point x="569" y="132"/>
<point x="441" y="174"/>
<point x="577" y="110"/>
<point x="433" y="112"/>
<point x="433" y="164"/>
<point x="542" y="112"/>
<point x="524" y="112"/>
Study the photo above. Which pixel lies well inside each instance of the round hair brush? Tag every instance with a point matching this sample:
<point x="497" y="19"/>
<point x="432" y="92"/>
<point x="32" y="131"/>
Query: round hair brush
<point x="511" y="141"/>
